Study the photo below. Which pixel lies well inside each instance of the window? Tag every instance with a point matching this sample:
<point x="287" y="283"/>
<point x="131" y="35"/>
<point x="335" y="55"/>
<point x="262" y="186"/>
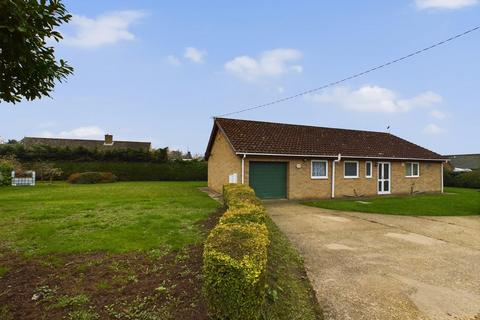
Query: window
<point x="412" y="169"/>
<point x="368" y="169"/>
<point x="319" y="169"/>
<point x="350" y="169"/>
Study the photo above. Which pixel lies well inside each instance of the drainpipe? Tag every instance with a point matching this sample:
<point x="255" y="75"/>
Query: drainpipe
<point x="333" y="173"/>
<point x="243" y="168"/>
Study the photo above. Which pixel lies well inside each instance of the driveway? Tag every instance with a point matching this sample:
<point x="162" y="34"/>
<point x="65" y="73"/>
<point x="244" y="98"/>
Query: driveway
<point x="372" y="266"/>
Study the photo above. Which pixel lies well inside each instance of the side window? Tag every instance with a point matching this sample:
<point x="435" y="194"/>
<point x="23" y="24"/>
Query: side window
<point x="368" y="169"/>
<point x="412" y="169"/>
<point x="319" y="169"/>
<point x="350" y="169"/>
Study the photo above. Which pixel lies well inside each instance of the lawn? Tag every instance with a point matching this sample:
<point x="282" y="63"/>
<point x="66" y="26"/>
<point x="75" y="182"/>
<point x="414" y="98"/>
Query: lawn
<point x="118" y="217"/>
<point x="128" y="250"/>
<point x="454" y="202"/>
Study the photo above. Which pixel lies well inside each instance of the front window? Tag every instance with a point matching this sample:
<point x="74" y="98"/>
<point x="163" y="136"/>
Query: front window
<point x="350" y="169"/>
<point x="319" y="169"/>
<point x="368" y="169"/>
<point x="412" y="169"/>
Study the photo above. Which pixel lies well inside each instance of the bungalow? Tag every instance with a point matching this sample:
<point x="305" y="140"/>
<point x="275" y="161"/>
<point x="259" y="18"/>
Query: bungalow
<point x="303" y="162"/>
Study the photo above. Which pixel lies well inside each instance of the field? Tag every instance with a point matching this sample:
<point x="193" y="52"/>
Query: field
<point x="128" y="250"/>
<point x="454" y="202"/>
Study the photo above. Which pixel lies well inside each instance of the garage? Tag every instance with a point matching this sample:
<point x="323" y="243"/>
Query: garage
<point x="269" y="179"/>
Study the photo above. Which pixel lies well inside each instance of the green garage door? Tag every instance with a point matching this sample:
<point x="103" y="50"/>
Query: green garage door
<point x="269" y="179"/>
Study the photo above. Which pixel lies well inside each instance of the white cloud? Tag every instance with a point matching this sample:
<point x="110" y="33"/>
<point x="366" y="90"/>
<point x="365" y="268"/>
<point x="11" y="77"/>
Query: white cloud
<point x="373" y="99"/>
<point x="173" y="60"/>
<point x="438" y="114"/>
<point x="444" y="4"/>
<point x="271" y="63"/>
<point x="105" y="29"/>
<point x="432" y="129"/>
<point x="195" y="55"/>
<point x="89" y="132"/>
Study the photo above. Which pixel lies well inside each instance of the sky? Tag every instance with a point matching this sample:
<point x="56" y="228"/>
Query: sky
<point x="160" y="70"/>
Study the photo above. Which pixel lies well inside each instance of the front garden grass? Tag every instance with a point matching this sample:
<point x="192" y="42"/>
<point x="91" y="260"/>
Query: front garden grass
<point x="289" y="292"/>
<point x="116" y="218"/>
<point x="454" y="202"/>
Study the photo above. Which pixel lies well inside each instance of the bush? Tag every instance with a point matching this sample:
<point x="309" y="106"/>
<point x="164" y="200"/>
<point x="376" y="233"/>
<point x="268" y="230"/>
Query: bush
<point x="139" y="171"/>
<point x="238" y="195"/>
<point x="247" y="213"/>
<point x="50" y="153"/>
<point x="235" y="260"/>
<point x="92" y="177"/>
<point x="235" y="257"/>
<point x="462" y="179"/>
<point x="7" y="165"/>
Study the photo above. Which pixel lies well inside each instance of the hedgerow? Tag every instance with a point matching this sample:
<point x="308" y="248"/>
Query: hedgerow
<point x="462" y="179"/>
<point x="49" y="153"/>
<point x="235" y="258"/>
<point x="136" y="171"/>
<point x="92" y="177"/>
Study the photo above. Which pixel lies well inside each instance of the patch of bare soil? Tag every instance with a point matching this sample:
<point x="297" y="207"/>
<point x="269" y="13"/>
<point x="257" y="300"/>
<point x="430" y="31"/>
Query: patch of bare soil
<point x="153" y="285"/>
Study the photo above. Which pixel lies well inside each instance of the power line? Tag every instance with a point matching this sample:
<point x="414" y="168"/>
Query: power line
<point x="356" y="75"/>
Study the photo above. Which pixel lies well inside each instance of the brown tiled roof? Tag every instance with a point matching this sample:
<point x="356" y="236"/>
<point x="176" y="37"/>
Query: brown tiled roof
<point x="88" y="144"/>
<point x="286" y="139"/>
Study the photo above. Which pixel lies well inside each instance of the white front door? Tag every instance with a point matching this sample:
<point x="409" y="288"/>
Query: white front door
<point x="383" y="178"/>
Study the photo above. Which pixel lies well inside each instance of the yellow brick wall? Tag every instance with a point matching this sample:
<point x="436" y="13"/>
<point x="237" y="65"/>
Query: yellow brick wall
<point x="301" y="186"/>
<point x="222" y="163"/>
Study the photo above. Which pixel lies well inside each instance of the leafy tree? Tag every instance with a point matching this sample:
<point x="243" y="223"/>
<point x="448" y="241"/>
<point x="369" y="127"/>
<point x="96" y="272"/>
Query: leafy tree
<point x="28" y="68"/>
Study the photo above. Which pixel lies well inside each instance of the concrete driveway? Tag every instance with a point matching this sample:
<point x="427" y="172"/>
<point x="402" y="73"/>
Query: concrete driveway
<point x="371" y="266"/>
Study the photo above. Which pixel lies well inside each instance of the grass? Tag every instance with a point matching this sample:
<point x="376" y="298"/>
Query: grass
<point x="118" y="217"/>
<point x="290" y="295"/>
<point x="454" y="202"/>
<point x="3" y="271"/>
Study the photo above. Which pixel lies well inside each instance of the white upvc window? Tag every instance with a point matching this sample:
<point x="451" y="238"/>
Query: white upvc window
<point x="412" y="169"/>
<point x="350" y="169"/>
<point x="319" y="169"/>
<point x="368" y="169"/>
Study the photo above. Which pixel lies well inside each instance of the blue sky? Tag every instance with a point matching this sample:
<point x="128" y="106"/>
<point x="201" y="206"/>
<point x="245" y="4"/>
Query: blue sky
<point x="159" y="70"/>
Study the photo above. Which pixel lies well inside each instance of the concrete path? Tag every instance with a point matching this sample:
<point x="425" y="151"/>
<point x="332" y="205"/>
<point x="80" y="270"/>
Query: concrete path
<point x="371" y="266"/>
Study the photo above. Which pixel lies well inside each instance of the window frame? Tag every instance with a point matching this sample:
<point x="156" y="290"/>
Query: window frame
<point x="319" y="177"/>
<point x="411" y="175"/>
<point x="371" y="169"/>
<point x="358" y="170"/>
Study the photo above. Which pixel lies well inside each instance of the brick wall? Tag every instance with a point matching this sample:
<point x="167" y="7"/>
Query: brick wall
<point x="222" y="163"/>
<point x="300" y="185"/>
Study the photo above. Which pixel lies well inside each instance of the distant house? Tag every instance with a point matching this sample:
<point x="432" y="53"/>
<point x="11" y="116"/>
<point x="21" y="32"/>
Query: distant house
<point x="464" y="162"/>
<point x="107" y="144"/>
<point x="303" y="162"/>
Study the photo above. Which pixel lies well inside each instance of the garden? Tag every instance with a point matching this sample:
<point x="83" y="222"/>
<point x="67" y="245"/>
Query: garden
<point x="127" y="250"/>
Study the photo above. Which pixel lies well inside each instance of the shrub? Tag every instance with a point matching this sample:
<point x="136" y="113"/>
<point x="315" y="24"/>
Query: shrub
<point x="235" y="257"/>
<point x="235" y="261"/>
<point x="140" y="171"/>
<point x="246" y="213"/>
<point x="462" y="179"/>
<point x="92" y="177"/>
<point x="7" y="165"/>
<point x="238" y="195"/>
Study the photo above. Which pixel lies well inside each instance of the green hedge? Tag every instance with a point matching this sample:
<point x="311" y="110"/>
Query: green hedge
<point x="235" y="258"/>
<point x="139" y="171"/>
<point x="462" y="179"/>
<point x="92" y="177"/>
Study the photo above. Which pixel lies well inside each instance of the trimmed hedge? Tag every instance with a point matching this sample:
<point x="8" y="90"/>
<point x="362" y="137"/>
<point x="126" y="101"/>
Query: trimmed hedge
<point x="139" y="171"/>
<point x="462" y="179"/>
<point x="92" y="177"/>
<point x="235" y="258"/>
<point x="239" y="195"/>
